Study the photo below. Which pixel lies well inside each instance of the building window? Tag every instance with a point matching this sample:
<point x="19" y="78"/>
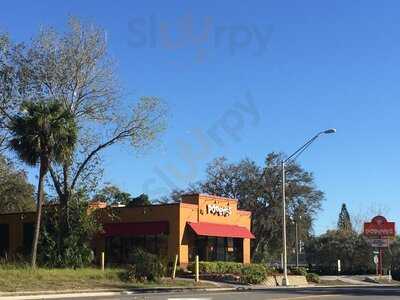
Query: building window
<point x="120" y="249"/>
<point x="28" y="232"/>
<point x="4" y="239"/>
<point x="218" y="249"/>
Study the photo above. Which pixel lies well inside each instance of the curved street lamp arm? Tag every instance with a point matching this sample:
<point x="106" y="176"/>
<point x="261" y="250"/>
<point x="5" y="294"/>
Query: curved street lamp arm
<point x="302" y="148"/>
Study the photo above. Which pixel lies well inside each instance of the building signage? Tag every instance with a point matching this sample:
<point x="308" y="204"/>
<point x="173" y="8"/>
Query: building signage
<point x="215" y="209"/>
<point x="378" y="232"/>
<point x="379" y="227"/>
<point x="379" y="243"/>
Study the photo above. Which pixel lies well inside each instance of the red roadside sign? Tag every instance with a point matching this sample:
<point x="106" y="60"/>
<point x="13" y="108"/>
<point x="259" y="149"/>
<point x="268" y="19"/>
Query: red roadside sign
<point x="379" y="227"/>
<point x="378" y="233"/>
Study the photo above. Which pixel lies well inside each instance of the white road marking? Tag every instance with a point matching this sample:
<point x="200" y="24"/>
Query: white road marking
<point x="189" y="298"/>
<point x="305" y="297"/>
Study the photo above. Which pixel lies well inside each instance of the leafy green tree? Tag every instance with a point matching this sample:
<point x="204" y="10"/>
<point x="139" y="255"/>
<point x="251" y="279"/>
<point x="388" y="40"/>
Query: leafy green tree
<point x="258" y="189"/>
<point x="84" y="226"/>
<point x="344" y="222"/>
<point x="44" y="132"/>
<point x="140" y="200"/>
<point x="16" y="193"/>
<point x="113" y="195"/>
<point x="352" y="249"/>
<point x="391" y="258"/>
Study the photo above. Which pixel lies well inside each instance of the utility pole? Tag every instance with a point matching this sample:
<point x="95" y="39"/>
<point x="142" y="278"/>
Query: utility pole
<point x="299" y="151"/>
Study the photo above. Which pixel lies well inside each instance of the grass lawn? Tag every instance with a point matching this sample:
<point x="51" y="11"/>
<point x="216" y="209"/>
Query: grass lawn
<point x="19" y="279"/>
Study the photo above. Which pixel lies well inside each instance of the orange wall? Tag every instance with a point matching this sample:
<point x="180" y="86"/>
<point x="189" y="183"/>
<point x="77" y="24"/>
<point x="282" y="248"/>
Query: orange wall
<point x="194" y="209"/>
<point x="168" y="212"/>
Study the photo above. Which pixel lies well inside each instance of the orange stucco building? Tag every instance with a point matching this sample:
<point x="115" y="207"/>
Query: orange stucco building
<point x="209" y="226"/>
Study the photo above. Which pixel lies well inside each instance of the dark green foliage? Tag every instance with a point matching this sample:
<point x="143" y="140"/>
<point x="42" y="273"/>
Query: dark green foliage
<point x="344" y="222"/>
<point x="16" y="193"/>
<point x="147" y="266"/>
<point x="391" y="259"/>
<point x="141" y="200"/>
<point x="217" y="267"/>
<point x="253" y="274"/>
<point x="113" y="195"/>
<point x="355" y="254"/>
<point x="43" y="129"/>
<point x="312" y="277"/>
<point x="129" y="274"/>
<point x="249" y="273"/>
<point x="74" y="250"/>
<point x="299" y="271"/>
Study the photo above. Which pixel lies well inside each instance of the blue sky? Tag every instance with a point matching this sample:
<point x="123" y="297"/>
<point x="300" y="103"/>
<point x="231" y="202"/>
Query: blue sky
<point x="306" y="65"/>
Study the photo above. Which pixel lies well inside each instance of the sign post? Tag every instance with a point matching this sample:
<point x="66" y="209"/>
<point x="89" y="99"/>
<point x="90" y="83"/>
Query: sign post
<point x="379" y="233"/>
<point x="376" y="260"/>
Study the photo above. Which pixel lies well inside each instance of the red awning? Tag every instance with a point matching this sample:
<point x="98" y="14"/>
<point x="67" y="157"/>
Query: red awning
<point x="137" y="228"/>
<point x="221" y="230"/>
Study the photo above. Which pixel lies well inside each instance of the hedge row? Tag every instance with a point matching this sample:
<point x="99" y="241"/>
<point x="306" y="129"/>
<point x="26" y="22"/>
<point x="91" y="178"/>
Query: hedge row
<point x="249" y="273"/>
<point x="217" y="267"/>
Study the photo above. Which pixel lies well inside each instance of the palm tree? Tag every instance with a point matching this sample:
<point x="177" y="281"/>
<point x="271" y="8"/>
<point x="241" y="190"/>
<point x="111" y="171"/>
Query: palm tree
<point x="43" y="132"/>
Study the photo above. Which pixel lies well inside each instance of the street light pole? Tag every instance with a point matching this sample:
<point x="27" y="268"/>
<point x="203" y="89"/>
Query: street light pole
<point x="297" y="244"/>
<point x="285" y="277"/>
<point x="298" y="152"/>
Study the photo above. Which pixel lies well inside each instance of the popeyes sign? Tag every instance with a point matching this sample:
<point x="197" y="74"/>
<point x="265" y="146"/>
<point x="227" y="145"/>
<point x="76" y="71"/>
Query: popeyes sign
<point x="215" y="209"/>
<point x="379" y="227"/>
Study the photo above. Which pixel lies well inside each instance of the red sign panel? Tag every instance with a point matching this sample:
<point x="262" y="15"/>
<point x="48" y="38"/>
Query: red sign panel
<point x="379" y="227"/>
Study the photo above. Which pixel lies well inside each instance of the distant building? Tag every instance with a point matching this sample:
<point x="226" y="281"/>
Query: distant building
<point x="209" y="226"/>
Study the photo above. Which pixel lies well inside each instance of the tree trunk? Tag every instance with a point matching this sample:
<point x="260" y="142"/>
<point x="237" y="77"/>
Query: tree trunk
<point x="39" y="203"/>
<point x="63" y="220"/>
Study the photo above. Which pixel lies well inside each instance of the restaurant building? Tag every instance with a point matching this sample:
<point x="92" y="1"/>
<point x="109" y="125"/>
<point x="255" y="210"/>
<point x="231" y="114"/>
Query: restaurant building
<point x="209" y="226"/>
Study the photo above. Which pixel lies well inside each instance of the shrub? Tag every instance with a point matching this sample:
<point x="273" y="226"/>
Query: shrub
<point x="147" y="266"/>
<point x="130" y="274"/>
<point x="72" y="248"/>
<point x="253" y="274"/>
<point x="217" y="267"/>
<point x="312" y="277"/>
<point x="301" y="271"/>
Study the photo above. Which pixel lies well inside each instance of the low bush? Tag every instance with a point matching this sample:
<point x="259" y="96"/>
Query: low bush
<point x="129" y="274"/>
<point x="253" y="274"/>
<point x="312" y="277"/>
<point x="145" y="266"/>
<point x="217" y="267"/>
<point x="300" y="271"/>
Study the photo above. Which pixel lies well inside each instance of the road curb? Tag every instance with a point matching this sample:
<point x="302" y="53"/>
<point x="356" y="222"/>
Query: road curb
<point x="160" y="290"/>
<point x="103" y="293"/>
<point x="61" y="295"/>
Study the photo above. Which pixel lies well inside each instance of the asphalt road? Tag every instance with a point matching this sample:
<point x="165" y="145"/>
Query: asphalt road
<point x="364" y="293"/>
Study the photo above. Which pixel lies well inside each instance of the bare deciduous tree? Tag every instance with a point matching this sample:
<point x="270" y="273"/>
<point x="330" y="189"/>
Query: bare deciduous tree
<point x="75" y="68"/>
